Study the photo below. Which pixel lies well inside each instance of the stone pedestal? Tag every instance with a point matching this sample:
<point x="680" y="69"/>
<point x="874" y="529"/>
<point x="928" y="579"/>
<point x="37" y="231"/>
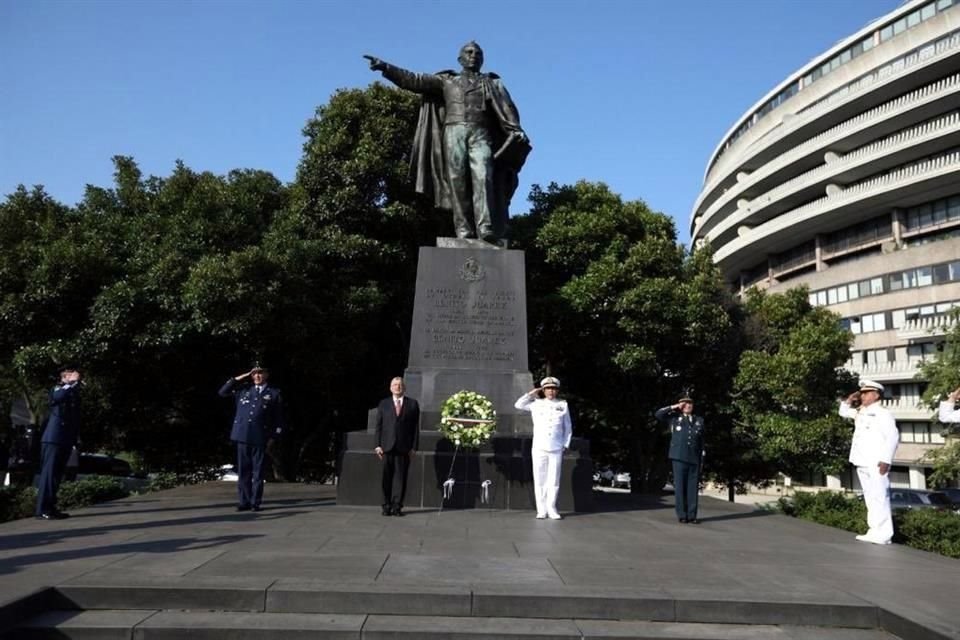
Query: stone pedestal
<point x="469" y="332"/>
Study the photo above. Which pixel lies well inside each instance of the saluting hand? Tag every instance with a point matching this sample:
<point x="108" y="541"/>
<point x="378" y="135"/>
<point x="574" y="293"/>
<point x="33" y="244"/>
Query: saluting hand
<point x="954" y="395"/>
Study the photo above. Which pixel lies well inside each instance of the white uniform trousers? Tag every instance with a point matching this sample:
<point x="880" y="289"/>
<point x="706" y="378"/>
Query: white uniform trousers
<point x="546" y="480"/>
<point x="877" y="499"/>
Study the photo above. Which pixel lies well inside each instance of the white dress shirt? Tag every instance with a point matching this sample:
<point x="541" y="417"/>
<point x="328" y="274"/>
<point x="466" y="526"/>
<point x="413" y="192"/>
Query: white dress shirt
<point x="552" y="428"/>
<point x="875" y="436"/>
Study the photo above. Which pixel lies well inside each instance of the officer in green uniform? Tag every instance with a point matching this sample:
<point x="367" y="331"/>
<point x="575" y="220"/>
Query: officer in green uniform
<point x="686" y="450"/>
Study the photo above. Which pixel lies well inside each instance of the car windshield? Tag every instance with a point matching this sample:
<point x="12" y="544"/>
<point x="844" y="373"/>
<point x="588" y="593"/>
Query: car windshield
<point x="939" y="498"/>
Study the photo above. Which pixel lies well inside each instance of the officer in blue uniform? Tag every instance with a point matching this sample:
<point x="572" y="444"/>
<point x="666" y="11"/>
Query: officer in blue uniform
<point x="258" y="421"/>
<point x="686" y="450"/>
<point x="63" y="427"/>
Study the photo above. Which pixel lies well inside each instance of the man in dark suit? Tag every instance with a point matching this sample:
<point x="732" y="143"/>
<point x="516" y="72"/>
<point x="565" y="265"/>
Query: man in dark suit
<point x="398" y="434"/>
<point x="258" y="421"/>
<point x="686" y="450"/>
<point x="63" y="427"/>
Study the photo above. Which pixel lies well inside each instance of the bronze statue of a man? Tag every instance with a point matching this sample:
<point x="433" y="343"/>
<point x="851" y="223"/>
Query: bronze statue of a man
<point x="468" y="148"/>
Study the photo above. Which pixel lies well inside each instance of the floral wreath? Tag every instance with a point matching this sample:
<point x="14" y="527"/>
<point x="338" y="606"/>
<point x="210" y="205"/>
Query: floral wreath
<point x="467" y="419"/>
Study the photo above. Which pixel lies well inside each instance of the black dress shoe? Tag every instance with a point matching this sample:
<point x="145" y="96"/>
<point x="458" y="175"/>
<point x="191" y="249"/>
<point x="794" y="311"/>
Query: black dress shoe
<point x="693" y="521"/>
<point x="682" y="520"/>
<point x="398" y="511"/>
<point x="386" y="510"/>
<point x="256" y="507"/>
<point x="243" y="508"/>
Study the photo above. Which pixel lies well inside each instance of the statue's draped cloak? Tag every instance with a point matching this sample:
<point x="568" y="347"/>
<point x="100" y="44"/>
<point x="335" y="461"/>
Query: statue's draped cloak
<point x="427" y="161"/>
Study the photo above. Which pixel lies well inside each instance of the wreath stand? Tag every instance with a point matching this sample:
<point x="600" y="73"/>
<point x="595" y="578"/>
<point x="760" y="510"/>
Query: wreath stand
<point x="449" y="483"/>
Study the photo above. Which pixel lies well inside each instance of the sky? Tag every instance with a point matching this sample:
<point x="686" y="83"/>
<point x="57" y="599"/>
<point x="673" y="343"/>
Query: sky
<point x="633" y="93"/>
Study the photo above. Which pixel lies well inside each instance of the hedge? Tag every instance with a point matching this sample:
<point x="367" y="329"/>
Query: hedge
<point x="927" y="529"/>
<point x="20" y="502"/>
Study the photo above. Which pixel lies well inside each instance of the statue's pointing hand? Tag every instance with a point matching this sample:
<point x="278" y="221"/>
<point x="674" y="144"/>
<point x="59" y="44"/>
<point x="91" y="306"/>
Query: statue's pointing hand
<point x="376" y="64"/>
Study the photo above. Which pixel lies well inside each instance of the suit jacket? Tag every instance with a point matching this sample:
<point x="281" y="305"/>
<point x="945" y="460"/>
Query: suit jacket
<point x="63" y="425"/>
<point x="398" y="433"/>
<point x="259" y="416"/>
<point x="686" y="435"/>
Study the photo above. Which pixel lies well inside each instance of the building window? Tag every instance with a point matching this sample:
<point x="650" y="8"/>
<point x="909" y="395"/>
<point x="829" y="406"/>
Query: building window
<point x="868" y="323"/>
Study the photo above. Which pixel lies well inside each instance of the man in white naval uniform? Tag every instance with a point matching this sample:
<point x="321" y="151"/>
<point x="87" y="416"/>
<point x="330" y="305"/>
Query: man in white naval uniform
<point x="949" y="411"/>
<point x="552" y="431"/>
<point x="875" y="439"/>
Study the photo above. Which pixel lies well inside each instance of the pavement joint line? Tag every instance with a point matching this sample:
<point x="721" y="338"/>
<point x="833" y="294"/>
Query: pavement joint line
<point x="203" y="564"/>
<point x="266" y="593"/>
<point x="552" y="566"/>
<point x="382" y="565"/>
<point x="133" y="629"/>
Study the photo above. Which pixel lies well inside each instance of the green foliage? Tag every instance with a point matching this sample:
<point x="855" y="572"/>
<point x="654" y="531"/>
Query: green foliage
<point x="88" y="491"/>
<point x="827" y="507"/>
<point x="619" y="310"/>
<point x="927" y="529"/>
<point x="164" y="481"/>
<point x="786" y="387"/>
<point x="943" y="376"/>
<point x="17" y="502"/>
<point x="946" y="463"/>
<point x="943" y="372"/>
<point x="930" y="530"/>
<point x="161" y="287"/>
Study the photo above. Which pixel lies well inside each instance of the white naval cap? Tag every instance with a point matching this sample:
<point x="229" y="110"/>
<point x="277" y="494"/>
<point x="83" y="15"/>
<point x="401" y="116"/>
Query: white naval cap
<point x="548" y="382"/>
<point x="870" y="385"/>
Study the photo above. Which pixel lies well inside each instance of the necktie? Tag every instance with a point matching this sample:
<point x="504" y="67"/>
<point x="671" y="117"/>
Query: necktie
<point x="396" y="405"/>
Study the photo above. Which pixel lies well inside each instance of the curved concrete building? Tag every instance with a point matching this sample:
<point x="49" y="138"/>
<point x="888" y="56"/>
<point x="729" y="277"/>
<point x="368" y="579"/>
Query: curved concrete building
<point x="846" y="178"/>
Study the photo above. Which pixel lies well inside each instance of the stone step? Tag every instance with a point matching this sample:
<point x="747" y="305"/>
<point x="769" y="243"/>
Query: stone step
<point x="139" y="624"/>
<point x="478" y="601"/>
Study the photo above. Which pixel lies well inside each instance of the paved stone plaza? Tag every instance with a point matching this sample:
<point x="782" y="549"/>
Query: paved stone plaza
<point x="627" y="570"/>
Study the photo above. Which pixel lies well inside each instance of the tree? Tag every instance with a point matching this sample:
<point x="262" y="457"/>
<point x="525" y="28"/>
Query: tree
<point x="786" y="387"/>
<point x="943" y="376"/>
<point x="622" y="314"/>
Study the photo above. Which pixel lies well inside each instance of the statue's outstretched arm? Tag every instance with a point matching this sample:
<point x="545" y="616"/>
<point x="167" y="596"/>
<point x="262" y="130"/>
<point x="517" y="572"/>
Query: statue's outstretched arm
<point x="416" y="82"/>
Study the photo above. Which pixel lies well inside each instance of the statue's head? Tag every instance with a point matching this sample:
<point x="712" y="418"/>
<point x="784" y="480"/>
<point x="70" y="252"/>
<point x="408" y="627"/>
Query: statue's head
<point x="471" y="56"/>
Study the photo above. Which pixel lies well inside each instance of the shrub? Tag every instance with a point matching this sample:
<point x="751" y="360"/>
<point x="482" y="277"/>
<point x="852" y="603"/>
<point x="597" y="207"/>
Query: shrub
<point x="827" y="507"/>
<point x="17" y="502"/>
<point x="90" y="490"/>
<point x="926" y="529"/>
<point x="163" y="481"/>
<point x="930" y="530"/>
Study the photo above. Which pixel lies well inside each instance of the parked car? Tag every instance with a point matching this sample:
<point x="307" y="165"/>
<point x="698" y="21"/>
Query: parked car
<point x="603" y="477"/>
<point x="953" y="493"/>
<point x="919" y="499"/>
<point x="227" y="473"/>
<point x="100" y="464"/>
<point x="621" y="479"/>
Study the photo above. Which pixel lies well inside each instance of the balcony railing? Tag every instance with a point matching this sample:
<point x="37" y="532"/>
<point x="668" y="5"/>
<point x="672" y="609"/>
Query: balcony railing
<point x="907" y="408"/>
<point x="719" y="172"/>
<point x="886" y="371"/>
<point x="926" y="326"/>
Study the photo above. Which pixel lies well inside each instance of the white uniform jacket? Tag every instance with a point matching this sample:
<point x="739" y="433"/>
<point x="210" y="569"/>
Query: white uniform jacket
<point x="552" y="428"/>
<point x="875" y="436"/>
<point x="948" y="412"/>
